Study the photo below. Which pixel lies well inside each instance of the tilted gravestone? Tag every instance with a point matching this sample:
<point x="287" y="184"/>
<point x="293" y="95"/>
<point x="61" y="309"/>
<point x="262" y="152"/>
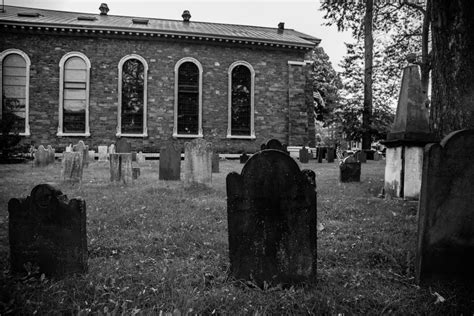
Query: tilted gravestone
<point x="72" y="167"/>
<point x="80" y="147"/>
<point x="51" y="153"/>
<point x="215" y="163"/>
<point x="271" y="212"/>
<point x="42" y="157"/>
<point x="243" y="158"/>
<point x="446" y="214"/>
<point x="103" y="155"/>
<point x="121" y="168"/>
<point x="198" y="162"/>
<point x="304" y="155"/>
<point x="350" y="170"/>
<point x="170" y="162"/>
<point x="49" y="231"/>
<point x="123" y="146"/>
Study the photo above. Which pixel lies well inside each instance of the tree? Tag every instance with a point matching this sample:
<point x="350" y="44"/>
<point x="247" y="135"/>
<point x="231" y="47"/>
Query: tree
<point x="368" y="63"/>
<point x="452" y="105"/>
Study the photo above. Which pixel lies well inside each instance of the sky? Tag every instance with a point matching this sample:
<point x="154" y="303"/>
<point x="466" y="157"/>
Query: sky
<point x="301" y="15"/>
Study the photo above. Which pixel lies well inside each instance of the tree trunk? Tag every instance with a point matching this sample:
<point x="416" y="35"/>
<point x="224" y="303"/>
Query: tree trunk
<point x="425" y="65"/>
<point x="453" y="65"/>
<point x="368" y="48"/>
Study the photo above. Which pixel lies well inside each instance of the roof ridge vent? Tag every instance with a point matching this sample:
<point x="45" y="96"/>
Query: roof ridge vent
<point x="29" y="14"/>
<point x="186" y="16"/>
<point x="104" y="9"/>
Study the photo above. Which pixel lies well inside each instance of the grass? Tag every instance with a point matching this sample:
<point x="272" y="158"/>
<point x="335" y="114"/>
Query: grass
<point x="158" y="247"/>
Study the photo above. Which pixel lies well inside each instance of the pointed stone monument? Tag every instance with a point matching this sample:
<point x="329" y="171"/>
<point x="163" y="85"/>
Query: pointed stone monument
<point x="409" y="134"/>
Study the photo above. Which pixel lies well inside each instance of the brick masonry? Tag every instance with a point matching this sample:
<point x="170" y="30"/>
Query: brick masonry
<point x="278" y="86"/>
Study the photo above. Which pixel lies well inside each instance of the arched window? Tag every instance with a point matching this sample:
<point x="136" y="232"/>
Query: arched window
<point x="15" y="83"/>
<point x="74" y="73"/>
<point x="188" y="98"/>
<point x="241" y="101"/>
<point x="132" y="105"/>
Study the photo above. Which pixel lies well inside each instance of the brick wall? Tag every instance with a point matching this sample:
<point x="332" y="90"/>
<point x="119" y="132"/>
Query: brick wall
<point x="271" y="89"/>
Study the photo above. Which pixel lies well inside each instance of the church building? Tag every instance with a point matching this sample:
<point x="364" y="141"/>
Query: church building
<point x="69" y="76"/>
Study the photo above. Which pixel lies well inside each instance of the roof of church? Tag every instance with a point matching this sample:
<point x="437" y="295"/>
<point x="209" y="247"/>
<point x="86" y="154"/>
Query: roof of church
<point x="61" y="21"/>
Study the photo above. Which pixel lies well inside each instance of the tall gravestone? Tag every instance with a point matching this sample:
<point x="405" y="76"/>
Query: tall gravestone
<point x="121" y="168"/>
<point x="170" y="162"/>
<point x="331" y="154"/>
<point x="271" y="212"/>
<point x="304" y="155"/>
<point x="408" y="135"/>
<point x="41" y="157"/>
<point x="81" y="148"/>
<point x="198" y="162"/>
<point x="446" y="213"/>
<point x="51" y="153"/>
<point x="215" y="163"/>
<point x="72" y="167"/>
<point x="48" y="230"/>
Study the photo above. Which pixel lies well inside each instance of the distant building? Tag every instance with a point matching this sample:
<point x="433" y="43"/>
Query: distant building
<point x="70" y="76"/>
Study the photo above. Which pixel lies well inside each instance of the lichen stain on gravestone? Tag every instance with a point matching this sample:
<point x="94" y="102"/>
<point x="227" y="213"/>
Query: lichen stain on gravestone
<point x="446" y="214"/>
<point x="48" y="230"/>
<point x="271" y="209"/>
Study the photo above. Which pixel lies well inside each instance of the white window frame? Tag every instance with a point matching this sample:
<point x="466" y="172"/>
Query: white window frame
<point x="175" y="126"/>
<point x="61" y="94"/>
<point x="4" y="54"/>
<point x="252" y="101"/>
<point x="145" y="98"/>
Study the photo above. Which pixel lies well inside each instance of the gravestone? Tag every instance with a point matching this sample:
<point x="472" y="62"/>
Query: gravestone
<point x="215" y="163"/>
<point x="41" y="157"/>
<point x="243" y="158"/>
<point x="198" y="162"/>
<point x="350" y="170"/>
<point x="331" y="153"/>
<point x="135" y="173"/>
<point x="123" y="146"/>
<point x="103" y="155"/>
<point x="68" y="149"/>
<point x="51" y="153"/>
<point x="446" y="214"/>
<point x="140" y="157"/>
<point x="134" y="156"/>
<point x="72" y="167"/>
<point x="91" y="155"/>
<point x="319" y="154"/>
<point x="304" y="155"/>
<point x="170" y="162"/>
<point x="121" y="168"/>
<point x="376" y="156"/>
<point x="48" y="230"/>
<point x="271" y="212"/>
<point x="361" y="156"/>
<point x="274" y="144"/>
<point x="112" y="149"/>
<point x="80" y="147"/>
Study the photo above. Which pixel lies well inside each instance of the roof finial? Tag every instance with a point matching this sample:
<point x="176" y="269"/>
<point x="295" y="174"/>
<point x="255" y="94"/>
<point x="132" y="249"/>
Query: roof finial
<point x="186" y="16"/>
<point x="103" y="9"/>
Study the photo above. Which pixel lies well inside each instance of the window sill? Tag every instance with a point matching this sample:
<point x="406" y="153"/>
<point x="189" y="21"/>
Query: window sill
<point x="241" y="137"/>
<point x="187" y="136"/>
<point x="131" y="135"/>
<point x="59" y="134"/>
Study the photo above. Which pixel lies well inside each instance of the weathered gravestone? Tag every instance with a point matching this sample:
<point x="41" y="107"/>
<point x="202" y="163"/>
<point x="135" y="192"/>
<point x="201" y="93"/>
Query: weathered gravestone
<point x="271" y="212"/>
<point x="123" y="146"/>
<point x="350" y="170"/>
<point x="446" y="213"/>
<point x="72" y="166"/>
<point x="112" y="149"/>
<point x="274" y="144"/>
<point x="135" y="173"/>
<point x="243" y="158"/>
<point x="81" y="148"/>
<point x="41" y="157"/>
<point x="51" y="153"/>
<point x="198" y="162"/>
<point x="215" y="163"/>
<point x="103" y="155"/>
<point x="134" y="156"/>
<point x="121" y="168"/>
<point x="140" y="157"/>
<point x="361" y="156"/>
<point x="91" y="155"/>
<point x="49" y="231"/>
<point x="170" y="162"/>
<point x="304" y="155"/>
<point x="68" y="149"/>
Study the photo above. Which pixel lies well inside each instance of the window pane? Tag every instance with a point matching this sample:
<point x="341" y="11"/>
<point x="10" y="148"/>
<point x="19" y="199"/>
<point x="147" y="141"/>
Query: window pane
<point x="188" y="98"/>
<point x="133" y="87"/>
<point x="241" y="96"/>
<point x="14" y="91"/>
<point x="74" y="95"/>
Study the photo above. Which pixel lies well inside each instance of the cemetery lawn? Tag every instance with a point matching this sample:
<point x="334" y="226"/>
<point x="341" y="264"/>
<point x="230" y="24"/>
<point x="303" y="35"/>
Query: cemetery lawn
<point x="156" y="246"/>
